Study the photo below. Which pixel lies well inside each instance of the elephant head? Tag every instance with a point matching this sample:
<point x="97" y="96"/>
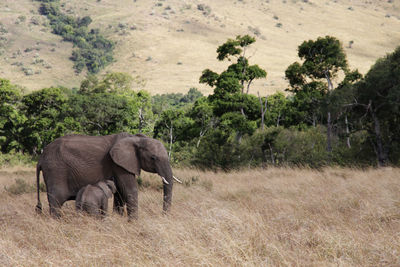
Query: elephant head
<point x="108" y="187"/>
<point x="138" y="152"/>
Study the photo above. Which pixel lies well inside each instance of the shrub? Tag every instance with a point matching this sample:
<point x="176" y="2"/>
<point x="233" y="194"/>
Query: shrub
<point x="22" y="187"/>
<point x="93" y="50"/>
<point x="16" y="159"/>
<point x="205" y="9"/>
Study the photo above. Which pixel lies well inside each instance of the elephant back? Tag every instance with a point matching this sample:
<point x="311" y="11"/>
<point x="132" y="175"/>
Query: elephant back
<point x="82" y="159"/>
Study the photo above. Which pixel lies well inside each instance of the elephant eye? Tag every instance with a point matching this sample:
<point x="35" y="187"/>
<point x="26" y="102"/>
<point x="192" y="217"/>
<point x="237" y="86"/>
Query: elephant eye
<point x="153" y="157"/>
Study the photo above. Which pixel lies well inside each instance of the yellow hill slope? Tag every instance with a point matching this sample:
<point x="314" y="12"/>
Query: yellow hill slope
<point x="168" y="43"/>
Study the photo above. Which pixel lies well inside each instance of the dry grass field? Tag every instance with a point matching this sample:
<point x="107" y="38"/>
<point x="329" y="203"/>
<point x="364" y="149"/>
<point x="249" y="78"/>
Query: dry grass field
<point x="168" y="43"/>
<point x="272" y="217"/>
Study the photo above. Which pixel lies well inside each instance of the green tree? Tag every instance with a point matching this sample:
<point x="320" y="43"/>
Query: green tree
<point x="204" y="119"/>
<point x="322" y="61"/>
<point x="235" y="110"/>
<point x="377" y="99"/>
<point x="174" y="100"/>
<point x="234" y="82"/>
<point x="114" y="82"/>
<point x="277" y="109"/>
<point x="110" y="105"/>
<point x="11" y="118"/>
<point x="172" y="126"/>
<point x="45" y="112"/>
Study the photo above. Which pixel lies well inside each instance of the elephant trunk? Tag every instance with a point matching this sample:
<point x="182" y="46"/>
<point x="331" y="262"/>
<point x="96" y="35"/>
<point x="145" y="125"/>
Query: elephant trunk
<point x="168" y="183"/>
<point x="167" y="196"/>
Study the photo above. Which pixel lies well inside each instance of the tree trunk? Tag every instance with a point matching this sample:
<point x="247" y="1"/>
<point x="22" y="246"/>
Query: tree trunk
<point x="329" y="133"/>
<point x="242" y="111"/>
<point x="314" y="120"/>
<point x="380" y="149"/>
<point x="329" y="122"/>
<point x="278" y="120"/>
<point x="141" y="120"/>
<point x="272" y="154"/>
<point x="347" y="132"/>
<point x="263" y="109"/>
<point x="328" y="78"/>
<point x="170" y="142"/>
<point x="202" y="133"/>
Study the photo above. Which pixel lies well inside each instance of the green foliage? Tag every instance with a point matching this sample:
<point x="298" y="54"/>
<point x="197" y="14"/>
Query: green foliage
<point x="11" y="118"/>
<point x="223" y="130"/>
<point x="173" y="125"/>
<point x="36" y="119"/>
<point x="218" y="150"/>
<point x="302" y="147"/>
<point x="93" y="50"/>
<point x="378" y="107"/>
<point x="13" y="158"/>
<point x="209" y="77"/>
<point x="295" y="75"/>
<point x="278" y="110"/>
<point x="322" y="58"/>
<point x="114" y="82"/>
<point x="279" y="146"/>
<point x="232" y="86"/>
<point x="234" y="47"/>
<point x="45" y="112"/>
<point x="174" y="100"/>
<point x="239" y="74"/>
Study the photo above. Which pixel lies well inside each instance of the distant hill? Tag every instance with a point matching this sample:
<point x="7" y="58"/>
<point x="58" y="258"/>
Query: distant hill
<point x="167" y="43"/>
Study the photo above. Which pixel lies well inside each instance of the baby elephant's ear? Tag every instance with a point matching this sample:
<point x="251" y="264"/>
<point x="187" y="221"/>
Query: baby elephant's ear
<point x="106" y="189"/>
<point x="111" y="185"/>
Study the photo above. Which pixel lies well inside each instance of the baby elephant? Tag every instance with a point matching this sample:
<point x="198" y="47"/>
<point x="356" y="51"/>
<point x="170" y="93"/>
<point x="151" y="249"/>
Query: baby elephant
<point x="94" y="198"/>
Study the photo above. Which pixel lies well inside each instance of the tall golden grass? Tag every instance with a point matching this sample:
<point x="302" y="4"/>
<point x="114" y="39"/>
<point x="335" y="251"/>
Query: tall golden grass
<point x="272" y="217"/>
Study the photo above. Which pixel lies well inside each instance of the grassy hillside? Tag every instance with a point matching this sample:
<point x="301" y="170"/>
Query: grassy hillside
<point x="167" y="43"/>
<point x="274" y="217"/>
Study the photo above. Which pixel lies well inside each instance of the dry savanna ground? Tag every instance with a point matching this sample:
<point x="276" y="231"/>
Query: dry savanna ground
<point x="166" y="44"/>
<point x="272" y="217"/>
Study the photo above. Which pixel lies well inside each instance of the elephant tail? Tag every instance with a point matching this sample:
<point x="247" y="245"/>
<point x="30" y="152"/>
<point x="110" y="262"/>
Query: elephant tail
<point x="39" y="204"/>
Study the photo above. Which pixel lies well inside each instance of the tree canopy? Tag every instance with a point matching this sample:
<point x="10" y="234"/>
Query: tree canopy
<point x="232" y="127"/>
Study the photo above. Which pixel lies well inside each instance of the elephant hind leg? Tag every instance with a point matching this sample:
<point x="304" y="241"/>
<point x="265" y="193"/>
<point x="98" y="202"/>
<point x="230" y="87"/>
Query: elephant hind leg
<point x="56" y="200"/>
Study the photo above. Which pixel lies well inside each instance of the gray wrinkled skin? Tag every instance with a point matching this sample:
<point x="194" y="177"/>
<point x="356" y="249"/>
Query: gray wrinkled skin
<point x="93" y="199"/>
<point x="74" y="161"/>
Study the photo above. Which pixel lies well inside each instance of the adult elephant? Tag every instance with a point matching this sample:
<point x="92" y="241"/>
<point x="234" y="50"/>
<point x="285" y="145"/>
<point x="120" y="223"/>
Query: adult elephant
<point x="74" y="161"/>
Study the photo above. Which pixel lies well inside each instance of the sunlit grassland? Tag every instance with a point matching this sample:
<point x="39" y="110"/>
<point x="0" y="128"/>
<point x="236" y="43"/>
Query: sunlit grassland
<point x="272" y="217"/>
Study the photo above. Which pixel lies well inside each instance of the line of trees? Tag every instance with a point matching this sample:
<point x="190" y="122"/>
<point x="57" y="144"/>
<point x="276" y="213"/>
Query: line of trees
<point x="330" y="115"/>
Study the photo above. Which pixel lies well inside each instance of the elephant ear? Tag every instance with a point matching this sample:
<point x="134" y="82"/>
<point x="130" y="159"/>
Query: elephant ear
<point x="111" y="185"/>
<point x="105" y="189"/>
<point x="124" y="154"/>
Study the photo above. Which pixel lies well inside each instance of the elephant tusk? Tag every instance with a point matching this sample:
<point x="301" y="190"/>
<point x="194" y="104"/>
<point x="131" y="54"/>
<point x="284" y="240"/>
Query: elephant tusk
<point x="179" y="181"/>
<point x="164" y="180"/>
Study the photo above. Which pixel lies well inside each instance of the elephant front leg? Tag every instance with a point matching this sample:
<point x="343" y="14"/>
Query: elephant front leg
<point x="127" y="189"/>
<point x="132" y="204"/>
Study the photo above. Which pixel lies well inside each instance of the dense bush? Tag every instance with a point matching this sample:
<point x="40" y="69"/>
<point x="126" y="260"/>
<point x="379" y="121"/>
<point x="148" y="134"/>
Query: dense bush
<point x="34" y="120"/>
<point x="93" y="51"/>
<point x="13" y="158"/>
